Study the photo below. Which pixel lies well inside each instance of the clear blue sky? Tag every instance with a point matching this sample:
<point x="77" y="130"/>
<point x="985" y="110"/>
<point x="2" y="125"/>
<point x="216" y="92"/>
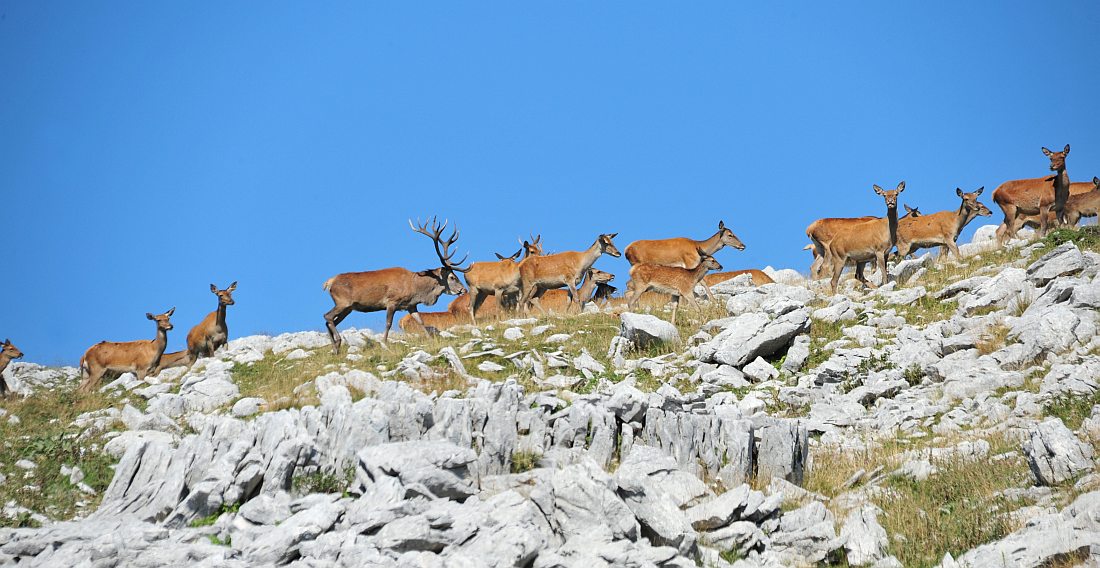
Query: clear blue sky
<point x="149" y="149"/>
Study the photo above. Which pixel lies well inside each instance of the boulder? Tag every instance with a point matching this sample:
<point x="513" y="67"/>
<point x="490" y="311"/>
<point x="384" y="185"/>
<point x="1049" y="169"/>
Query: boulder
<point x="644" y="329"/>
<point x="1054" y="454"/>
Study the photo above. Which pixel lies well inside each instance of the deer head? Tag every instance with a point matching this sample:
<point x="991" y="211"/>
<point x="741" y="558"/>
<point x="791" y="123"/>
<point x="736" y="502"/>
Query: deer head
<point x="532" y="247"/>
<point x="913" y="212"/>
<point x="608" y="247"/>
<point x="891" y="196"/>
<point x="1096" y="183"/>
<point x="728" y="238"/>
<point x="971" y="204"/>
<point x="511" y="258"/>
<point x="1057" y="159"/>
<point x="599" y="277"/>
<point x="446" y="273"/>
<point x="162" y="320"/>
<point x="225" y="297"/>
<point x="710" y="263"/>
<point x="11" y="351"/>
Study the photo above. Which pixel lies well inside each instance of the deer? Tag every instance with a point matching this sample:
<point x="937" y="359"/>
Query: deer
<point x="681" y="252"/>
<point x="759" y="278"/>
<point x="1083" y="204"/>
<point x="139" y="357"/>
<point x="559" y="301"/>
<point x="539" y="273"/>
<point x="822" y="231"/>
<point x="498" y="278"/>
<point x="393" y="289"/>
<point x="205" y="338"/>
<point x="940" y="229"/>
<point x="675" y="281"/>
<point x="8" y="352"/>
<point x="1034" y="196"/>
<point x="866" y="241"/>
<point x="1075" y="188"/>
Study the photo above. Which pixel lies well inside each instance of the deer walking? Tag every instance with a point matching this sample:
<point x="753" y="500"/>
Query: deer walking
<point x="205" y="338"/>
<point x="675" y="281"/>
<point x="7" y="353"/>
<point x="559" y="301"/>
<point x="1034" y="196"/>
<point x="867" y="241"/>
<point x="139" y="357"/>
<point x="393" y="289"/>
<point x="500" y="278"/>
<point x="540" y="273"/>
<point x="940" y="229"/>
<point x="1083" y="205"/>
<point x="681" y="252"/>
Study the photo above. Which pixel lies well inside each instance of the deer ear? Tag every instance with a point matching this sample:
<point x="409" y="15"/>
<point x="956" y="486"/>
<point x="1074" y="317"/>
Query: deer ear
<point x="232" y="286"/>
<point x="149" y="315"/>
<point x="1047" y="152"/>
<point x="170" y="312"/>
<point x="959" y="191"/>
<point x="877" y="189"/>
<point x="499" y="256"/>
<point x="1095" y="180"/>
<point x="612" y="235"/>
<point x="901" y="187"/>
<point x="1066" y="151"/>
<point x="721" y="225"/>
<point x="213" y="288"/>
<point x="980" y="190"/>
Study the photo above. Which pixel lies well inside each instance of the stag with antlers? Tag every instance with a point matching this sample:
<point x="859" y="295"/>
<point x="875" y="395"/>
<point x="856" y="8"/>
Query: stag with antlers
<point x="393" y="289"/>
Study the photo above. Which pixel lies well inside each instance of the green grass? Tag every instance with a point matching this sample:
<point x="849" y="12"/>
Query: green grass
<point x="525" y="461"/>
<point x="1072" y="409"/>
<point x="44" y="436"/>
<point x="822" y="333"/>
<point x="323" y="481"/>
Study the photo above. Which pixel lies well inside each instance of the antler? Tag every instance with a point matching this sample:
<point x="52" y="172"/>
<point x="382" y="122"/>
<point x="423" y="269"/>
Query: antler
<point x="436" y="233"/>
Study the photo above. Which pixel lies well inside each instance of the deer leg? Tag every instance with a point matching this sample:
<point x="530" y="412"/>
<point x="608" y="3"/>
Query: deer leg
<point x="675" y="308"/>
<point x="950" y="246"/>
<point x="389" y="322"/>
<point x="91" y="380"/>
<point x="573" y="299"/>
<point x="475" y="303"/>
<point x="3" y="387"/>
<point x="882" y="266"/>
<point x="332" y="318"/>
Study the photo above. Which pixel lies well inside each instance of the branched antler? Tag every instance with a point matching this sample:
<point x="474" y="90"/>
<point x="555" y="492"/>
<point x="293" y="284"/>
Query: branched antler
<point x="436" y="232"/>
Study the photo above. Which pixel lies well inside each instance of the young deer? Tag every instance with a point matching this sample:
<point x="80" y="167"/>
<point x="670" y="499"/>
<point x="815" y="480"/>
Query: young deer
<point x="7" y="353"/>
<point x="940" y="229"/>
<point x="559" y="300"/>
<point x="138" y="357"/>
<point x="681" y="252"/>
<point x="562" y="269"/>
<point x="500" y="278"/>
<point x="677" y="282"/>
<point x="759" y="278"/>
<point x="1035" y="196"/>
<point x="207" y="337"/>
<point x="393" y="289"/>
<point x="458" y="313"/>
<point x="1083" y="205"/>
<point x="866" y="241"/>
<point x="823" y="230"/>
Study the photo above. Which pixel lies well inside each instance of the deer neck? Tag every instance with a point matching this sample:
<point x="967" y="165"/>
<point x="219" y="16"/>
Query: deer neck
<point x="892" y="222"/>
<point x="962" y="217"/>
<point x="220" y="317"/>
<point x="1061" y="185"/>
<point x="699" y="272"/>
<point x="160" y="342"/>
<point x="4" y="360"/>
<point x="589" y="257"/>
<point x="710" y="245"/>
<point x="587" y="290"/>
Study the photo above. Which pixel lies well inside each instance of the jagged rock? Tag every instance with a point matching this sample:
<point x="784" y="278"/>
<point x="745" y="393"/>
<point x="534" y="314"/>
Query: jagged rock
<point x="1064" y="260"/>
<point x="1074" y="380"/>
<point x="428" y="468"/>
<point x="806" y="534"/>
<point x="996" y="291"/>
<point x="864" y="537"/>
<point x="644" y="329"/>
<point x="843" y="310"/>
<point x="654" y="494"/>
<point x="246" y="407"/>
<point x="797" y="354"/>
<point x="904" y="270"/>
<point x="279" y="545"/>
<point x="1055" y="454"/>
<point x="513" y="334"/>
<point x="782" y="450"/>
<point x="267" y="509"/>
<point x="753" y="335"/>
<point x="1054" y="328"/>
<point x="760" y="370"/>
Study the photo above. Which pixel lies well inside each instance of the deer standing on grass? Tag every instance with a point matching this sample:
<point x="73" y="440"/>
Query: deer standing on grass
<point x="139" y="357"/>
<point x="207" y="337"/>
<point x="759" y="278"/>
<point x="823" y="230"/>
<point x="7" y="353"/>
<point x="681" y="252"/>
<point x="677" y="282"/>
<point x="540" y="273"/>
<point x="498" y="278"/>
<point x="558" y="300"/>
<point x="1084" y="204"/>
<point x="867" y="241"/>
<point x="1035" y="196"/>
<point x="1033" y="221"/>
<point x="393" y="289"/>
<point x="940" y="229"/>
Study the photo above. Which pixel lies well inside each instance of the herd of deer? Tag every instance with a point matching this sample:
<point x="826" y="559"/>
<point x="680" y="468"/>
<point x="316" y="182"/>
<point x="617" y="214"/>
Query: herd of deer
<point x="660" y="269"/>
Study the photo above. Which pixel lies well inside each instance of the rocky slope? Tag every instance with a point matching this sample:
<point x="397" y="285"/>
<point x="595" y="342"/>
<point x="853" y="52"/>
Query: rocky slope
<point x="944" y="419"/>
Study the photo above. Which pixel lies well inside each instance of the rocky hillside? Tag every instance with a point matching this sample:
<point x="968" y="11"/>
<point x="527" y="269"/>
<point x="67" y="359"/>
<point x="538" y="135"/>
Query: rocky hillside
<point x="946" y="419"/>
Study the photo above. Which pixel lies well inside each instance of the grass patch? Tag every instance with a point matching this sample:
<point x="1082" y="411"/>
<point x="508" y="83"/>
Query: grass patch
<point x="927" y="309"/>
<point x="822" y="333"/>
<point x="994" y="338"/>
<point x="525" y="460"/>
<point x="1086" y="238"/>
<point x="44" y="436"/>
<point x="321" y="481"/>
<point x="1072" y="409"/>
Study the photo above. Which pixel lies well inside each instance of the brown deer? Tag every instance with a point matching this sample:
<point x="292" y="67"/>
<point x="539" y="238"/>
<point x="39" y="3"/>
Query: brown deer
<point x="500" y="278"/>
<point x="138" y="357"/>
<point x="681" y="252"/>
<point x="7" y="353"/>
<point x="1075" y="188"/>
<point x="940" y="229"/>
<point x="206" y="337"/>
<point x="823" y="230"/>
<point x="539" y="273"/>
<point x="393" y="289"/>
<point x="559" y="300"/>
<point x="675" y="281"/>
<point x="759" y="278"/>
<point x="1083" y="204"/>
<point x="866" y="241"/>
<point x="1034" y="196"/>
